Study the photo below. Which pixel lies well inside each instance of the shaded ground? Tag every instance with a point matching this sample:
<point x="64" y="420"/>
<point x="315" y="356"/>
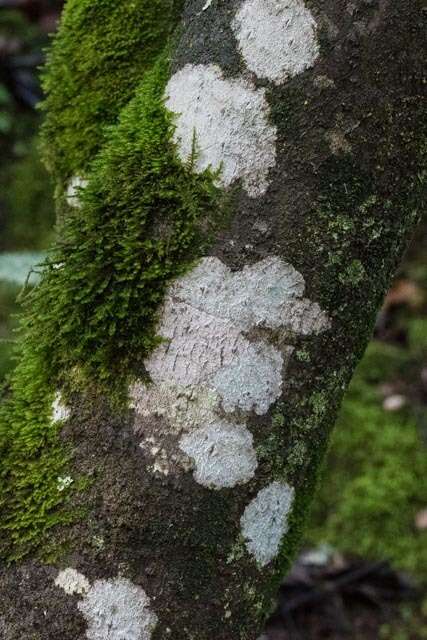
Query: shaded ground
<point x="346" y="599"/>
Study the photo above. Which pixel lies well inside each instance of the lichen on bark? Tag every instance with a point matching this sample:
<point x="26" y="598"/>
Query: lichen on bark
<point x="338" y="214"/>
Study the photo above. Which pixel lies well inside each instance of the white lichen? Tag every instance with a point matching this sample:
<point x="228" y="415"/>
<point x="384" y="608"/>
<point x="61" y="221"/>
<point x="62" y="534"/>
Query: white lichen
<point x="117" y="610"/>
<point x="265" y="521"/>
<point x="210" y="374"/>
<point x="72" y="582"/>
<point x="60" y="412"/>
<point x="277" y="38"/>
<point x="253" y="381"/>
<point x="267" y="294"/>
<point x="63" y="482"/>
<point x="76" y="184"/>
<point x="228" y="119"/>
<point x="224" y="453"/>
<point x="338" y="142"/>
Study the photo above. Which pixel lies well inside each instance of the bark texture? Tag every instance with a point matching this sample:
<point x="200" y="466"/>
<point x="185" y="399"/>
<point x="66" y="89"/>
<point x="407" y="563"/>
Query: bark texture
<point x="198" y="486"/>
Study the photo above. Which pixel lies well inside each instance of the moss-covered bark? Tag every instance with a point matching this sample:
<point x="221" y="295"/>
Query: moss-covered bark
<point x="342" y="200"/>
<point x="96" y="62"/>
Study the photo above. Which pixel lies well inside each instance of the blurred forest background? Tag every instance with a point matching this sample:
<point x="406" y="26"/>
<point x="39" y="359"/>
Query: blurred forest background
<point x="364" y="569"/>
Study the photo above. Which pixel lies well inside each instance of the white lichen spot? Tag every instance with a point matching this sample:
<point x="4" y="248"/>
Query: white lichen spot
<point x="224" y="453"/>
<point x="72" y="582"/>
<point x="60" y="412"/>
<point x="118" y="610"/>
<point x="228" y="119"/>
<point x="98" y="542"/>
<point x="63" y="482"/>
<point x="265" y="521"/>
<point x="73" y="191"/>
<point x="253" y="382"/>
<point x="267" y="294"/>
<point x="217" y="366"/>
<point x="277" y="38"/>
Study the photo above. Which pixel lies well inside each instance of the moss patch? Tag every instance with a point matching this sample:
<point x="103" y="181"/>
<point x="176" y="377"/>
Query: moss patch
<point x="137" y="229"/>
<point x="8" y="307"/>
<point x="97" y="61"/>
<point x="32" y="461"/>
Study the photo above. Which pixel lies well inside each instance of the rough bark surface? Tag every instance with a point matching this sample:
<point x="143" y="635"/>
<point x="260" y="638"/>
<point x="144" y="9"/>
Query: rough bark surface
<point x="199" y="490"/>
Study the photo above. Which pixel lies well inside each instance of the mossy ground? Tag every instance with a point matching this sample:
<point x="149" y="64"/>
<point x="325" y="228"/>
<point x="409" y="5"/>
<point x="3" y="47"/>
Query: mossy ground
<point x="375" y="476"/>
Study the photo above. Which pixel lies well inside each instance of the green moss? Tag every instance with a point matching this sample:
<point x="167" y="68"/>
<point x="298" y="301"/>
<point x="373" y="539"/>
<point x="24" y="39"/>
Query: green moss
<point x="303" y="356"/>
<point x="8" y="309"/>
<point x="376" y="478"/>
<point x="353" y="274"/>
<point x="97" y="61"/>
<point x="137" y="229"/>
<point x="91" y="320"/>
<point x="32" y="461"/>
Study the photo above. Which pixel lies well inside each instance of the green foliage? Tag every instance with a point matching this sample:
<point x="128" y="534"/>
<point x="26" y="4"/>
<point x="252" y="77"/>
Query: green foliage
<point x="96" y="62"/>
<point x="14" y="24"/>
<point x="376" y="478"/>
<point x="23" y="38"/>
<point x="25" y="193"/>
<point x="28" y="197"/>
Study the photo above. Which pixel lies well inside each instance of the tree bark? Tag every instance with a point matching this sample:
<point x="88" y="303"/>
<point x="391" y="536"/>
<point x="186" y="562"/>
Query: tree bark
<point x="192" y="495"/>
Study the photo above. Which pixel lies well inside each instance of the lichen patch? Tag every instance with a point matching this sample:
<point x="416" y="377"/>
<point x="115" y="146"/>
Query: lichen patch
<point x="265" y="521"/>
<point x="60" y="412"/>
<point x="253" y="381"/>
<point x="228" y="119"/>
<point x="72" y="582"/>
<point x="118" y="610"/>
<point x="267" y="294"/>
<point x="76" y="184"/>
<point x="277" y="38"/>
<point x="209" y="375"/>
<point x="224" y="453"/>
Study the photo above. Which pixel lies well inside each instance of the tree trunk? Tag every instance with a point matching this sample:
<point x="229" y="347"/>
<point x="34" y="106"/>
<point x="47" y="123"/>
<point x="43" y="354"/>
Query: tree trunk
<point x="157" y="489"/>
